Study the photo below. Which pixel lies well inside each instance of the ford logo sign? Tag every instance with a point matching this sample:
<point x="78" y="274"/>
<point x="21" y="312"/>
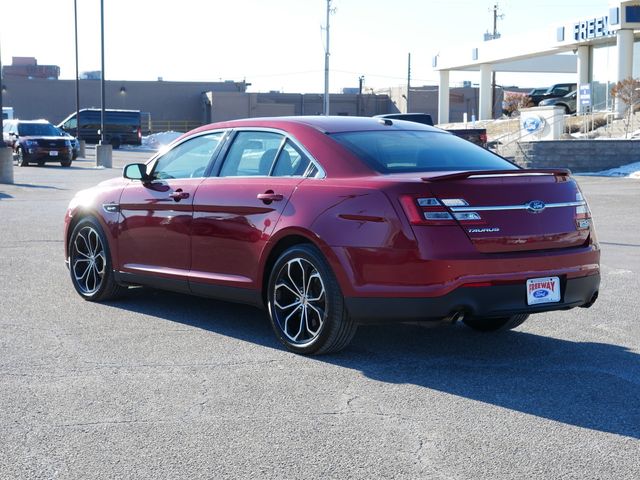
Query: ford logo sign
<point x="533" y="124"/>
<point x="540" y="293"/>
<point x="536" y="206"/>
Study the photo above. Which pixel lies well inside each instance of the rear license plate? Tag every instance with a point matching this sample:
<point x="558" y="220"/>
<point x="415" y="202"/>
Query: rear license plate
<point x="543" y="290"/>
<point x="53" y="153"/>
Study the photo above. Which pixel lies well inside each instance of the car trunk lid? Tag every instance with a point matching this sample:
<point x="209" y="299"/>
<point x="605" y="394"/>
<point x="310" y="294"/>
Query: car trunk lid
<point x="511" y="210"/>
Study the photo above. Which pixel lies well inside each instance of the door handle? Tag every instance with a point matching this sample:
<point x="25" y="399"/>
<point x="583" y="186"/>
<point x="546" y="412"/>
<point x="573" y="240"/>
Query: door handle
<point x="178" y="195"/>
<point x="269" y="196"/>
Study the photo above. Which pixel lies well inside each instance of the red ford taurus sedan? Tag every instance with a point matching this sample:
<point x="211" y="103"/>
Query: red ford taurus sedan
<point x="331" y="222"/>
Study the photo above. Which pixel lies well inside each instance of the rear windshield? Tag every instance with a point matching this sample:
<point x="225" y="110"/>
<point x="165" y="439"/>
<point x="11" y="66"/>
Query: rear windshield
<point x="37" y="130"/>
<point x="398" y="151"/>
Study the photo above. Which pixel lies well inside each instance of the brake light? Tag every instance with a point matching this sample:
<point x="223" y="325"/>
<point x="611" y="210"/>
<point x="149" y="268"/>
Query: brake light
<point x="483" y="138"/>
<point x="139" y="133"/>
<point x="432" y="211"/>
<point x="583" y="213"/>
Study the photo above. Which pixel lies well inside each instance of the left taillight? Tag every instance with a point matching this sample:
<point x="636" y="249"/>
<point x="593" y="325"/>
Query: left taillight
<point x="433" y="211"/>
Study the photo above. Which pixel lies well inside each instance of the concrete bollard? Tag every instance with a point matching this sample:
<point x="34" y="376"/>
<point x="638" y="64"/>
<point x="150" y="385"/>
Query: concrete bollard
<point x="6" y="165"/>
<point x="103" y="156"/>
<point x="82" y="151"/>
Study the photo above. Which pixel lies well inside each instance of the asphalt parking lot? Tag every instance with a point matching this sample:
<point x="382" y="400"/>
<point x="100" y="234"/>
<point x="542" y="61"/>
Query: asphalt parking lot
<point x="161" y="385"/>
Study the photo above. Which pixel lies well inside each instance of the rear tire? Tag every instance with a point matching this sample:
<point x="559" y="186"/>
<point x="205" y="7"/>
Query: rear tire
<point x="306" y="306"/>
<point x="495" y="324"/>
<point x="90" y="263"/>
<point x="115" y="143"/>
<point x="66" y="163"/>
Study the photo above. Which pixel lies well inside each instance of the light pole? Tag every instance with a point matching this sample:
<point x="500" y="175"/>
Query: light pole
<point x="102" y="95"/>
<point x="2" y="144"/>
<point x="75" y="19"/>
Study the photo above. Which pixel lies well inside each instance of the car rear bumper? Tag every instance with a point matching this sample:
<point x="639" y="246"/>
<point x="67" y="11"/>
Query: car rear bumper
<point x="489" y="301"/>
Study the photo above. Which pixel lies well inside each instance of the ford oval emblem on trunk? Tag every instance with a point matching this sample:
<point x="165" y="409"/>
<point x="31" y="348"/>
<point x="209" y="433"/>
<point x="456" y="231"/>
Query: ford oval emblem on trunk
<point x="536" y="206"/>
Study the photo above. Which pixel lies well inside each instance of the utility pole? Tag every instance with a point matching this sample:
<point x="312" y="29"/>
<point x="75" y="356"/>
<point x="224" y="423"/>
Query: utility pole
<point x="326" y="63"/>
<point x="494" y="36"/>
<point x="408" y="82"/>
<point x="360" y="84"/>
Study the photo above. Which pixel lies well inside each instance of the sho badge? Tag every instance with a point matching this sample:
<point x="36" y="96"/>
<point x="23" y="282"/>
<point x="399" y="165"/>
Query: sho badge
<point x="484" y="230"/>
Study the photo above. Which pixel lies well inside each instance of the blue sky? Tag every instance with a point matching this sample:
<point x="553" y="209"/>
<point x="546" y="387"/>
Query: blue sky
<point x="274" y="44"/>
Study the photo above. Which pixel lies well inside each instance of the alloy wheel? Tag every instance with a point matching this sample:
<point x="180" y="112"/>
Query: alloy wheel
<point x="88" y="260"/>
<point x="300" y="302"/>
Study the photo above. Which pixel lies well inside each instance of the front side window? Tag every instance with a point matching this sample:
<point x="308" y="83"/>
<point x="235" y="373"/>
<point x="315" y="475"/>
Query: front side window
<point x="71" y="123"/>
<point x="251" y="154"/>
<point x="398" y="151"/>
<point x="189" y="159"/>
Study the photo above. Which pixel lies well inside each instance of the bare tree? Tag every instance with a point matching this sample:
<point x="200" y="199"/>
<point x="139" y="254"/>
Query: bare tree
<point x="514" y="101"/>
<point x="627" y="91"/>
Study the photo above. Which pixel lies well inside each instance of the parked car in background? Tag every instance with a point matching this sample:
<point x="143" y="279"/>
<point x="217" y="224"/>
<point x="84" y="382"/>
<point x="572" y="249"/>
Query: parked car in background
<point x="554" y="91"/>
<point x="477" y="136"/>
<point x="331" y="222"/>
<point x="36" y="141"/>
<point x="75" y="144"/>
<point x="568" y="102"/>
<point x="122" y="127"/>
<point x="538" y="91"/>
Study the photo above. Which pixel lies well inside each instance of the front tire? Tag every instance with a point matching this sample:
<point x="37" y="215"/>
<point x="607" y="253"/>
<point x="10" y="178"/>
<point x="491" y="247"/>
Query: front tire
<point x="495" y="324"/>
<point x="90" y="262"/>
<point x="306" y="305"/>
<point x="22" y="158"/>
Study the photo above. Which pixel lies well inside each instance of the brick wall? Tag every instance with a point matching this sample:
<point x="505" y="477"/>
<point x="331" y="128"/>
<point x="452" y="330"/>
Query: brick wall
<point x="578" y="155"/>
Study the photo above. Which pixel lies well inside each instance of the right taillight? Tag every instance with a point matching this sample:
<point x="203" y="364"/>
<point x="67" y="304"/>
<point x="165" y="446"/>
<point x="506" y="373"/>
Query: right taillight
<point x="432" y="211"/>
<point x="583" y="214"/>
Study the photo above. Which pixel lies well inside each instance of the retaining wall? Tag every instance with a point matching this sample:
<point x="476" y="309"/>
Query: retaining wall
<point x="578" y="155"/>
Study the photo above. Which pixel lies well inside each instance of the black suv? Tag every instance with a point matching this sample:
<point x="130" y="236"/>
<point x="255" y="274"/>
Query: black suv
<point x="36" y="141"/>
<point x="554" y="91"/>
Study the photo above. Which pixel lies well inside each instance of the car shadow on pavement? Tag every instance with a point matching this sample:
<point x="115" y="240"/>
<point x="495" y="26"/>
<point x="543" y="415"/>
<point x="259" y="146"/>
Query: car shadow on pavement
<point x="585" y="384"/>
<point x="33" y="185"/>
<point x="589" y="385"/>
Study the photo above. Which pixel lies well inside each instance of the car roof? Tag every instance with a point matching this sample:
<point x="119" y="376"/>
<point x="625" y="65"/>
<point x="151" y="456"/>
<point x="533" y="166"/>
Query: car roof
<point x="40" y="120"/>
<point x="326" y="124"/>
<point x="312" y="131"/>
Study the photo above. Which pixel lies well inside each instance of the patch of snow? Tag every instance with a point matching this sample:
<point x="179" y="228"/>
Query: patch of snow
<point x="632" y="170"/>
<point x="159" y="140"/>
<point x="154" y="142"/>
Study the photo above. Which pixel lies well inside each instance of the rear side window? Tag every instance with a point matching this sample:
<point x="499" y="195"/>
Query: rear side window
<point x="398" y="151"/>
<point x="251" y="154"/>
<point x="291" y="162"/>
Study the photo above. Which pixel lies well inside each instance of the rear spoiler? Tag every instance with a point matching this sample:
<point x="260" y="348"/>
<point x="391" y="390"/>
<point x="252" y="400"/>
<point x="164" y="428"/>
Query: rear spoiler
<point x="560" y="172"/>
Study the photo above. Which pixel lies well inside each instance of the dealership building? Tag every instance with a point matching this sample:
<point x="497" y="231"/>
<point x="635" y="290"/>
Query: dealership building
<point x="600" y="51"/>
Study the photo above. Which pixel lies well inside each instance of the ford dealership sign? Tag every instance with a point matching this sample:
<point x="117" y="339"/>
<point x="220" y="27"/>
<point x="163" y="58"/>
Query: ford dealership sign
<point x="533" y="124"/>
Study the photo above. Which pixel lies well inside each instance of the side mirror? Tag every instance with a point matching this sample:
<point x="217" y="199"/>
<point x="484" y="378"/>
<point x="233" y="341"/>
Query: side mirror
<point x="136" y="171"/>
